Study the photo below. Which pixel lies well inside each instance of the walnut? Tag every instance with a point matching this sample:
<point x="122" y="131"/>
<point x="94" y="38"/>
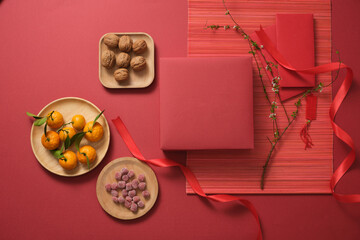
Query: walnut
<point x="139" y="46"/>
<point x="121" y="74"/>
<point x="108" y="58"/>
<point x="123" y="60"/>
<point x="125" y="43"/>
<point x="111" y="40"/>
<point x="138" y="63"/>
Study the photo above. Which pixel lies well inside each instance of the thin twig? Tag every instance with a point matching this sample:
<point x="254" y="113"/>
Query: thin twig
<point x="316" y="89"/>
<point x="281" y="102"/>
<point x="270" y="153"/>
<point x="251" y="45"/>
<point x="254" y="47"/>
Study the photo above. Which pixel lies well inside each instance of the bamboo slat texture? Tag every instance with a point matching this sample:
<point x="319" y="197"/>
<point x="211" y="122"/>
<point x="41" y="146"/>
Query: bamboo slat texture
<point x="292" y="169"/>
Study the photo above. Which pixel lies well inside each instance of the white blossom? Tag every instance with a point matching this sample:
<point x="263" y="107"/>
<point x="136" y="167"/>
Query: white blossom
<point x="272" y="115"/>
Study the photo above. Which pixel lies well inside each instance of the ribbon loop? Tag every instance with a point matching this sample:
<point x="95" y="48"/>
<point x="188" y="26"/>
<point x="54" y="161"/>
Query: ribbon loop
<point x="334" y="107"/>
<point x="189" y="175"/>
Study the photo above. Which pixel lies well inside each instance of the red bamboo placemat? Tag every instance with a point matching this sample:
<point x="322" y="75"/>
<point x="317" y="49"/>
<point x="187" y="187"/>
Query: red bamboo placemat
<point x="292" y="169"/>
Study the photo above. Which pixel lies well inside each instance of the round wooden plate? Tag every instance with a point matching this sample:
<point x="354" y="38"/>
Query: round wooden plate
<point x="107" y="175"/>
<point x="69" y="107"/>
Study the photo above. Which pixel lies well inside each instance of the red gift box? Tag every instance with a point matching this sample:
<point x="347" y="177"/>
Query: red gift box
<point x="206" y="103"/>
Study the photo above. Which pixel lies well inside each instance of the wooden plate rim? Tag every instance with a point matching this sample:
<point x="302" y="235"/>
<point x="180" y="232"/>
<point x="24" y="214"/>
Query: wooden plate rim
<point x="98" y="187"/>
<point x="64" y="174"/>
<point x="126" y="33"/>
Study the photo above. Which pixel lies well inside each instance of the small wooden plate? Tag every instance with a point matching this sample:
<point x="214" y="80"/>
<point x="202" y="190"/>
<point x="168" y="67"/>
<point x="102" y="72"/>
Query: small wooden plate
<point x="69" y="107"/>
<point x="140" y="79"/>
<point x="107" y="175"/>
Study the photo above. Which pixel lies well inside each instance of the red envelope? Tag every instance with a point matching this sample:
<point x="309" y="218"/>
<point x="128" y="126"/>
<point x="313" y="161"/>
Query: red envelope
<point x="293" y="36"/>
<point x="206" y="103"/>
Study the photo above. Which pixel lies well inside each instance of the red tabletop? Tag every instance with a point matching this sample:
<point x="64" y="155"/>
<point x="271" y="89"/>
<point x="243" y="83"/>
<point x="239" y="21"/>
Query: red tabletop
<point x="49" y="49"/>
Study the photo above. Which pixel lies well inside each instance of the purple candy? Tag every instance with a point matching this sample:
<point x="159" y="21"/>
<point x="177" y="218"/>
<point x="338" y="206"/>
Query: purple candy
<point x="121" y="184"/>
<point x="133" y="207"/>
<point x="121" y="199"/>
<point x="124" y="193"/>
<point x="127" y="204"/>
<point x="114" y="186"/>
<point x="141" y="204"/>
<point x="136" y="199"/>
<point x="115" y="199"/>
<point x="131" y="174"/>
<point x="142" y="186"/>
<point x="114" y="193"/>
<point x="124" y="171"/>
<point x="135" y="183"/>
<point x="118" y="176"/>
<point x="132" y="193"/>
<point x="128" y="186"/>
<point x="125" y="177"/>
<point x="141" y="177"/>
<point x="108" y="187"/>
<point x="146" y="194"/>
<point x="128" y="198"/>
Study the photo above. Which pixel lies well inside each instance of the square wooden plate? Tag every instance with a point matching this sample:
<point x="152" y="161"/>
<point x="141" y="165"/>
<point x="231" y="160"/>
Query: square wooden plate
<point x="140" y="79"/>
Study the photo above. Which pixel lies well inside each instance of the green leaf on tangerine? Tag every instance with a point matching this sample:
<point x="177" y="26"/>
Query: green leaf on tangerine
<point x="63" y="126"/>
<point x="97" y="117"/>
<point x="67" y="142"/>
<point x="45" y="130"/>
<point x="33" y="115"/>
<point x="87" y="159"/>
<point x="74" y="138"/>
<point x="40" y="121"/>
<point x="78" y="140"/>
<point x="58" y="153"/>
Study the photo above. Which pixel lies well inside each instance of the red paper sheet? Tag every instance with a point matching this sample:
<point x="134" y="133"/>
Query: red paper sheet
<point x="293" y="35"/>
<point x="292" y="169"/>
<point x="295" y="39"/>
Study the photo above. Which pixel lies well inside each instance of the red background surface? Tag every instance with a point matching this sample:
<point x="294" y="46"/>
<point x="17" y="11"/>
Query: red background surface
<point x="49" y="49"/>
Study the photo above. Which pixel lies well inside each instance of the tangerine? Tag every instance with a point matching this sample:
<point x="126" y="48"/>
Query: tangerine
<point x="51" y="141"/>
<point x="66" y="131"/>
<point x="93" y="133"/>
<point x="55" y="119"/>
<point x="69" y="160"/>
<point x="78" y="122"/>
<point x="86" y="151"/>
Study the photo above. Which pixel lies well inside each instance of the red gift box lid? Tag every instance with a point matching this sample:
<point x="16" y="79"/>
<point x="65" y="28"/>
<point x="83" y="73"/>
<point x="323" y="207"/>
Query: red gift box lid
<point x="206" y="103"/>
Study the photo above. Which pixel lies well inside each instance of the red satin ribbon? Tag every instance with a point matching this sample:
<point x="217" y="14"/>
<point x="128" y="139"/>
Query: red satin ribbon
<point x="190" y="177"/>
<point x="334" y="107"/>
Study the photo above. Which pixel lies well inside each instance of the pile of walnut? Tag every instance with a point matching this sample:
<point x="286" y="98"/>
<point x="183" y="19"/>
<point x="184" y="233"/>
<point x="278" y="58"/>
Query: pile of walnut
<point x="123" y="59"/>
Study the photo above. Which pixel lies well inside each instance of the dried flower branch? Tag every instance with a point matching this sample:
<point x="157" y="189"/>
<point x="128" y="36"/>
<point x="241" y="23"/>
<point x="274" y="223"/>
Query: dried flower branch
<point x="271" y="68"/>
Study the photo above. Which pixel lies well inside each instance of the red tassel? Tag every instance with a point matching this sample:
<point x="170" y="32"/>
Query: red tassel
<point x="310" y="115"/>
<point x="305" y="137"/>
